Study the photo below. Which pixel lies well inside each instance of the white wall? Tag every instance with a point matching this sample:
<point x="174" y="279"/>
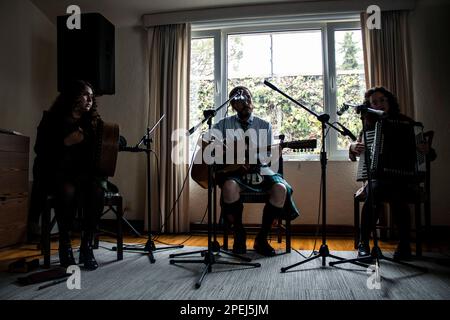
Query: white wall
<point x="431" y="80"/>
<point x="128" y="108"/>
<point x="27" y="67"/>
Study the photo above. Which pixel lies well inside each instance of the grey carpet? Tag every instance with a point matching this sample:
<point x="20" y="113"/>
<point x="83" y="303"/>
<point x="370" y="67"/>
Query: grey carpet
<point x="135" y="278"/>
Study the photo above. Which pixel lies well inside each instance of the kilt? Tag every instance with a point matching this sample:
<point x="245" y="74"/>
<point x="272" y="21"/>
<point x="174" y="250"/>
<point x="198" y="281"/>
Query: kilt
<point x="290" y="209"/>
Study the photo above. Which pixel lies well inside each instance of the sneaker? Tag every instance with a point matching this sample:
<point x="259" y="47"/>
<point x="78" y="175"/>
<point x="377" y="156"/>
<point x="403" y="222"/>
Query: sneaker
<point x="363" y="250"/>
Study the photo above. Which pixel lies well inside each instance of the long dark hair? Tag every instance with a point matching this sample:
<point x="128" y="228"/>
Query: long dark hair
<point x="394" y="107"/>
<point x="65" y="102"/>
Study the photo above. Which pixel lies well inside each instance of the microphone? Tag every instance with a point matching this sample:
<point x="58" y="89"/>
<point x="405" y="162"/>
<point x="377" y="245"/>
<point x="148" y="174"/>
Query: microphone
<point x="344" y="108"/>
<point x="362" y="108"/>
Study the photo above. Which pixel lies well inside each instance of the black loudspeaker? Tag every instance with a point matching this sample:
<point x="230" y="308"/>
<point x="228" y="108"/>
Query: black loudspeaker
<point x="87" y="53"/>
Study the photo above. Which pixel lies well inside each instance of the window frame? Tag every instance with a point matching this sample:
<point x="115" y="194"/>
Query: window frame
<point x="220" y="35"/>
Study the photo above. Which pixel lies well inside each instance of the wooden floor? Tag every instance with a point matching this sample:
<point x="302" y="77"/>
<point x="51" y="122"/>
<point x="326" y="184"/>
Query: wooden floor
<point x="31" y="251"/>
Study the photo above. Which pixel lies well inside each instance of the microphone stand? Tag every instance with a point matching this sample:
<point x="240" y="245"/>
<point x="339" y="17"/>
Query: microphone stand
<point x="376" y="253"/>
<point x="149" y="247"/>
<point x="324" y="252"/>
<point x="213" y="246"/>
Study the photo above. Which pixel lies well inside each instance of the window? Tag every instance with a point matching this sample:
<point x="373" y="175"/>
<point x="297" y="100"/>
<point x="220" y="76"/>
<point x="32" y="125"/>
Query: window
<point x="350" y="83"/>
<point x="320" y="65"/>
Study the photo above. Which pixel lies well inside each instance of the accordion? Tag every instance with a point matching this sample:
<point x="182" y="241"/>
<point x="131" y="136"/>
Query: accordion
<point x="361" y="174"/>
<point x="394" y="154"/>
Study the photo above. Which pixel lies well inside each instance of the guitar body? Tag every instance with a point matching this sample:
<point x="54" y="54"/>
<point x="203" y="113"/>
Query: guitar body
<point x="107" y="148"/>
<point x="199" y="171"/>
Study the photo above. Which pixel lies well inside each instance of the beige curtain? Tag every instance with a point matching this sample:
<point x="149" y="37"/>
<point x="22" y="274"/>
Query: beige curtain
<point x="387" y="57"/>
<point x="169" y="49"/>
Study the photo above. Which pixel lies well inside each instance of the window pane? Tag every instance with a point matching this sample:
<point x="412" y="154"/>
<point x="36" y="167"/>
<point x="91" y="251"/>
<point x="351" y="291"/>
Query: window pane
<point x="202" y="80"/>
<point x="249" y="55"/>
<point x="349" y="78"/>
<point x="298" y="74"/>
<point x="297" y="53"/>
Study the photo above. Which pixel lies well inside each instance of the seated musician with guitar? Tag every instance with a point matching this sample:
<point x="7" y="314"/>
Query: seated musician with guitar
<point x="396" y="192"/>
<point x="256" y="177"/>
<point x="64" y="167"/>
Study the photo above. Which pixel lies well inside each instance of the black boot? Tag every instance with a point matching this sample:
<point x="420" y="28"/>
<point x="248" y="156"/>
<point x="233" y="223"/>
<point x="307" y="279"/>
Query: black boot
<point x="261" y="245"/>
<point x="66" y="255"/>
<point x="232" y="214"/>
<point x="65" y="248"/>
<point x="87" y="252"/>
<point x="240" y="239"/>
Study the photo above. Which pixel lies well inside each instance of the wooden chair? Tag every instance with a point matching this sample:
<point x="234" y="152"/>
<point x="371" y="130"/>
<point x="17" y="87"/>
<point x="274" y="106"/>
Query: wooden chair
<point x="419" y="199"/>
<point x="113" y="202"/>
<point x="263" y="197"/>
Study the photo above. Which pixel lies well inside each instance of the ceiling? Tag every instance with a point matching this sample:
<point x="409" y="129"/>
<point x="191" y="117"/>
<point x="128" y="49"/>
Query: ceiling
<point x="129" y="12"/>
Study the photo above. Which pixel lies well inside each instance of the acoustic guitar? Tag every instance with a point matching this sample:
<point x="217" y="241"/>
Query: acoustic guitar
<point x="199" y="172"/>
<point x="106" y="148"/>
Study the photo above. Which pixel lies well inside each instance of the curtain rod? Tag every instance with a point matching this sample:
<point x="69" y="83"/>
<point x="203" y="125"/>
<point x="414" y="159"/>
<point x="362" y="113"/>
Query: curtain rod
<point x="271" y="10"/>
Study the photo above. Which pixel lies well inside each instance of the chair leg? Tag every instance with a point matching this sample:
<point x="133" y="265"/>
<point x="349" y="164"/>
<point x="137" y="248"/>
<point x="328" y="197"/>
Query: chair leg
<point x="356" y="221"/>
<point x="427" y="213"/>
<point x="418" y="222"/>
<point x="279" y="230"/>
<point x="119" y="215"/>
<point x="225" y="236"/>
<point x="45" y="234"/>
<point x="288" y="236"/>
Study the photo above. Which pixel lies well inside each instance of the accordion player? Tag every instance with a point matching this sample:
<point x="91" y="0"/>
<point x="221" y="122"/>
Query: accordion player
<point x="395" y="151"/>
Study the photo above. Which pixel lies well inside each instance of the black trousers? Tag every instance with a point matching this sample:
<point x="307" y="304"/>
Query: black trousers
<point x="71" y="194"/>
<point x="397" y="195"/>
